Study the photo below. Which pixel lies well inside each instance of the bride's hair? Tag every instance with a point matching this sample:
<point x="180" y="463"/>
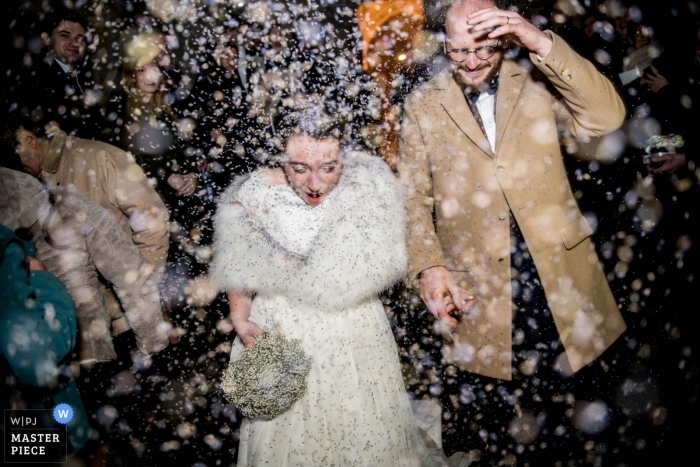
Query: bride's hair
<point x="309" y="116"/>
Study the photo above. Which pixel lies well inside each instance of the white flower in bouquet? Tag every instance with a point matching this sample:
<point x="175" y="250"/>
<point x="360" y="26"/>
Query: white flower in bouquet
<point x="664" y="142"/>
<point x="269" y="377"/>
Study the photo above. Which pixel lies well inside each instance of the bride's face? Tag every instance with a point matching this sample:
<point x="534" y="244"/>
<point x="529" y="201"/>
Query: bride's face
<point x="312" y="167"/>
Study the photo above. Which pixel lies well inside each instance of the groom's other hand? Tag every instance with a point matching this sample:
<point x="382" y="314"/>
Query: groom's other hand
<point x="436" y="284"/>
<point x="467" y="301"/>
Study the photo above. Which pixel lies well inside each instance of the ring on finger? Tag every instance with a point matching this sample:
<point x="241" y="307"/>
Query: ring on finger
<point x="507" y="19"/>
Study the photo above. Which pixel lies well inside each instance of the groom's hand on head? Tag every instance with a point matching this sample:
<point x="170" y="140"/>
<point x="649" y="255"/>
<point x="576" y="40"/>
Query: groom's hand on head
<point x="497" y="23"/>
<point x="441" y="294"/>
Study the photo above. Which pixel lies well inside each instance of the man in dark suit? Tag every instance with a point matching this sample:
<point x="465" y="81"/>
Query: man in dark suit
<point x="56" y="88"/>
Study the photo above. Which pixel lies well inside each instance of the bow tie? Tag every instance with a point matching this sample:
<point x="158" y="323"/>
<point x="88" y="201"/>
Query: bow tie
<point x="493" y="87"/>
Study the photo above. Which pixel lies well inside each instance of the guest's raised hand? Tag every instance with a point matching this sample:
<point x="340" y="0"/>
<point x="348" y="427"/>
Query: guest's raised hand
<point x="515" y="27"/>
<point x="436" y="284"/>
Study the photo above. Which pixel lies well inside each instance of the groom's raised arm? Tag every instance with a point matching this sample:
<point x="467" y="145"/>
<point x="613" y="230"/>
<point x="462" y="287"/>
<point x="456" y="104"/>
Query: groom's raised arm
<point x="589" y="105"/>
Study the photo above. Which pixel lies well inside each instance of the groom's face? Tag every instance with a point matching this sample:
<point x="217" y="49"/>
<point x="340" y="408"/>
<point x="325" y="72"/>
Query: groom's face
<point x="473" y="73"/>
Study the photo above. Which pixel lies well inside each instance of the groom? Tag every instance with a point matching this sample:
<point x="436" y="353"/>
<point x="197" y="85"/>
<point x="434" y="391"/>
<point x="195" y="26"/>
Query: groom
<point x="491" y="210"/>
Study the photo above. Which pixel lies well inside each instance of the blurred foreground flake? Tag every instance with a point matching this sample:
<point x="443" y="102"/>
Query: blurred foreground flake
<point x="213" y="442"/>
<point x="170" y="446"/>
<point x="562" y="365"/>
<point x="602" y="57"/>
<point x="649" y="214"/>
<point x="638" y="394"/>
<point x="524" y="428"/>
<point x="459" y="353"/>
<point x="124" y="383"/>
<point x="186" y="430"/>
<point x="658" y="415"/>
<point x="224" y="347"/>
<point x="591" y="417"/>
<point x="142" y="361"/>
<point x="610" y="147"/>
<point x="224" y="326"/>
<point x="529" y="365"/>
<point x="106" y="415"/>
<point x="168" y="10"/>
<point x="200" y="291"/>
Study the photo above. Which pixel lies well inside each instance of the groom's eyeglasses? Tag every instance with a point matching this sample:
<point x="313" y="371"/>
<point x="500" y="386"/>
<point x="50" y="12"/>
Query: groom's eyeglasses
<point x="482" y="53"/>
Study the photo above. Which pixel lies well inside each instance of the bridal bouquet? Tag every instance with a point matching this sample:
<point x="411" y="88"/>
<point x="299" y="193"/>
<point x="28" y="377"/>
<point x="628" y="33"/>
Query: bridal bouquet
<point x="269" y="377"/>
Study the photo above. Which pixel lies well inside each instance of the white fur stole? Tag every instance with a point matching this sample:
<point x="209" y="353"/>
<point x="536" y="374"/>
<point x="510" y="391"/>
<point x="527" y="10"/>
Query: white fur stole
<point x="360" y="249"/>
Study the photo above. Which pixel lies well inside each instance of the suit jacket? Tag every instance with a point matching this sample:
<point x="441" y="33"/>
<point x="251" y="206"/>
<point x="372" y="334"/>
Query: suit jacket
<point x="451" y="174"/>
<point x="60" y="98"/>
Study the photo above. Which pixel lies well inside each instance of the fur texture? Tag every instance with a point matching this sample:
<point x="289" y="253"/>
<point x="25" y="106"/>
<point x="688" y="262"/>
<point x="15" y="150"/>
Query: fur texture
<point x="360" y="250"/>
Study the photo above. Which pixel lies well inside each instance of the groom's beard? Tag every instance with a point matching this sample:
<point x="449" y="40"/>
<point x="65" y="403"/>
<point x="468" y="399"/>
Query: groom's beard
<point x="477" y="84"/>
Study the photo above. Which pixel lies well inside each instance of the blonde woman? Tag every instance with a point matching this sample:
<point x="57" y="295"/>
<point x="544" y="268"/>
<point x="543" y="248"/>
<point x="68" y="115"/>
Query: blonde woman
<point x="149" y="124"/>
<point x="148" y="127"/>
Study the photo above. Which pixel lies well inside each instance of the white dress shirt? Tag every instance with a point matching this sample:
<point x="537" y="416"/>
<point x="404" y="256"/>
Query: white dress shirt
<point x="485" y="104"/>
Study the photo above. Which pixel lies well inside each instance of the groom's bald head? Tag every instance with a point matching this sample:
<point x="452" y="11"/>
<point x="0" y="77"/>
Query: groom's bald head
<point x="460" y="9"/>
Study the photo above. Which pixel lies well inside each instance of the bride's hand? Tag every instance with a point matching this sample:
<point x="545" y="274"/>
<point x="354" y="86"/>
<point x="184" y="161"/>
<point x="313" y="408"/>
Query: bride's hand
<point x="247" y="331"/>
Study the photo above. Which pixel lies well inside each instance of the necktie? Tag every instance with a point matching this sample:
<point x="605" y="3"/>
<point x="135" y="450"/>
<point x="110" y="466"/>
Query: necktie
<point x="73" y="74"/>
<point x="472" y="97"/>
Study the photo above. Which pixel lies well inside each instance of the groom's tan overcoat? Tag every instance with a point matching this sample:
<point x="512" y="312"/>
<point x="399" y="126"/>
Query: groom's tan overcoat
<point x="450" y="171"/>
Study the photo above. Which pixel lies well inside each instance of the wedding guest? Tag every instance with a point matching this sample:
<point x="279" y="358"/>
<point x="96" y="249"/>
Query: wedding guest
<point x="492" y="218"/>
<point x="80" y="242"/>
<point x="105" y="175"/>
<point x="161" y="143"/>
<point x="77" y="241"/>
<point x="59" y="86"/>
<point x="149" y="124"/>
<point x="671" y="84"/>
<point x="646" y="48"/>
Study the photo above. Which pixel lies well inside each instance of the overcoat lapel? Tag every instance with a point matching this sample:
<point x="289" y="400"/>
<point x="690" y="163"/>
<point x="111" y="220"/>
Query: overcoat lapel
<point x="454" y="103"/>
<point x="512" y="80"/>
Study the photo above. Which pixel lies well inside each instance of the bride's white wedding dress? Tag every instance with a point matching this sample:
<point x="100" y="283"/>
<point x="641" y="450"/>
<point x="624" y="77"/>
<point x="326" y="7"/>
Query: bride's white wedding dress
<point x="316" y="272"/>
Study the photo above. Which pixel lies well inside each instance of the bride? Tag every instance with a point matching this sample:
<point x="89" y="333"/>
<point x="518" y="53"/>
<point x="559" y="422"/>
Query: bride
<point x="309" y="246"/>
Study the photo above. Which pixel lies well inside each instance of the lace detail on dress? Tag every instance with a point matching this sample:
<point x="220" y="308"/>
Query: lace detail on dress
<point x="285" y="217"/>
